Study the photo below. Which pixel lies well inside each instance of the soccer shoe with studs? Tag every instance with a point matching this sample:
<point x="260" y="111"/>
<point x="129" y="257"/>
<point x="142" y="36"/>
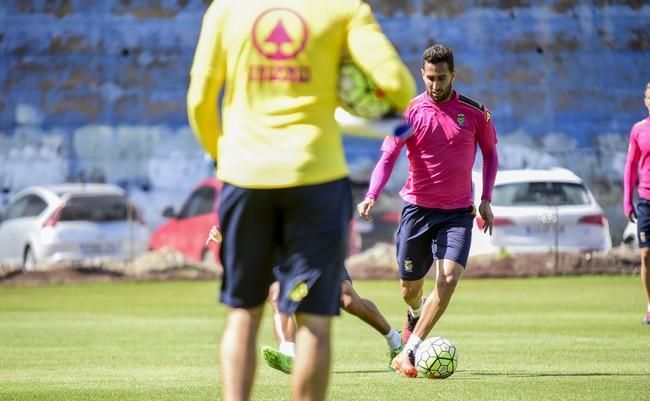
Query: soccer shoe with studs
<point x="277" y="360"/>
<point x="403" y="364"/>
<point x="646" y="320"/>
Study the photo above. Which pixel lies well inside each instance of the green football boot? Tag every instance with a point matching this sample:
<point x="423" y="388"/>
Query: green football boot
<point x="277" y="360"/>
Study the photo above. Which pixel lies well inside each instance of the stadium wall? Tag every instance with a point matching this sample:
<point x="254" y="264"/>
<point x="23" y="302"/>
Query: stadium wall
<point x="95" y="90"/>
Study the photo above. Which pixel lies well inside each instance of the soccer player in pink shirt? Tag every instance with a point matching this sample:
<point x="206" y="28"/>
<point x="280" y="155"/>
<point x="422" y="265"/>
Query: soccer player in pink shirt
<point x="638" y="166"/>
<point x="443" y="130"/>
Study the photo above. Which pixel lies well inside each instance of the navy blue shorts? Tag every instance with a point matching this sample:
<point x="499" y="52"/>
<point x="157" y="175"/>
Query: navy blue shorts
<point x="643" y="222"/>
<point x="424" y="232"/>
<point x="303" y="230"/>
<point x="345" y="276"/>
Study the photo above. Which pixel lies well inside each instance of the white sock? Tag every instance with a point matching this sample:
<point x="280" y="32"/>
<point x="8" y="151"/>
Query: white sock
<point x="393" y="339"/>
<point x="413" y="343"/>
<point x="288" y="348"/>
<point x="416" y="312"/>
<point x="648" y="308"/>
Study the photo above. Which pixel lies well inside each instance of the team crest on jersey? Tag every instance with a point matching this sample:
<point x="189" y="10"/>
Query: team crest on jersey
<point x="408" y="265"/>
<point x="460" y="120"/>
<point x="280" y="34"/>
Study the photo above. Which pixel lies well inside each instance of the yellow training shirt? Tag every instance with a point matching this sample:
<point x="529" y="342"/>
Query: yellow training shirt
<point x="279" y="61"/>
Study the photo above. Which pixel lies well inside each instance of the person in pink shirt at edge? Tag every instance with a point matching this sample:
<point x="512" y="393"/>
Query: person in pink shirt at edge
<point x="441" y="131"/>
<point x="638" y="166"/>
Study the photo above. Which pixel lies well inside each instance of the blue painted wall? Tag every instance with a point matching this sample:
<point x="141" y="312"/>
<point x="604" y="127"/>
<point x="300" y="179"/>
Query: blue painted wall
<point x="575" y="67"/>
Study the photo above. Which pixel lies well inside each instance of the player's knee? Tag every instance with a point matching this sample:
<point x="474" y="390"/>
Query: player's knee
<point x="448" y="281"/>
<point x="347" y="303"/>
<point x="348" y="296"/>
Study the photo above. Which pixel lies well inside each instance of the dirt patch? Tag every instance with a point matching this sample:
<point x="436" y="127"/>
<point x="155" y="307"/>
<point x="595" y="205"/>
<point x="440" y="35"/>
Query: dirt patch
<point x="59" y="276"/>
<point x="377" y="262"/>
<point x="152" y="266"/>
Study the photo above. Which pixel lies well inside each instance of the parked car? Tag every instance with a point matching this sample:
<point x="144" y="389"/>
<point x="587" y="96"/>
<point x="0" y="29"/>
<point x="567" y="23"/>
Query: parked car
<point x="630" y="238"/>
<point x="187" y="230"/>
<point x="70" y="223"/>
<point x="539" y="211"/>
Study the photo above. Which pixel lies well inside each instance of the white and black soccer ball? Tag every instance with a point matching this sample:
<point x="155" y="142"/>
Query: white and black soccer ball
<point x="436" y="358"/>
<point x="358" y="94"/>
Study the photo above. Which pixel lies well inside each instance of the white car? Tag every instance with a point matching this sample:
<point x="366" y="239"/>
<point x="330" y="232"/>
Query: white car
<point x="541" y="211"/>
<point x="70" y="223"/>
<point x="630" y="238"/>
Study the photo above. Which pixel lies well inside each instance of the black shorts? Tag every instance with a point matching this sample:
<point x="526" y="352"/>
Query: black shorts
<point x="303" y="230"/>
<point x="424" y="232"/>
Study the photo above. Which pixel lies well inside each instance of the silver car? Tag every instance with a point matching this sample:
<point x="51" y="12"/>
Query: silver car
<point x="70" y="223"/>
<point x="540" y="211"/>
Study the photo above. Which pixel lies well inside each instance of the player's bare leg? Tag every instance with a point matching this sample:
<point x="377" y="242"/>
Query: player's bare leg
<point x="284" y="329"/>
<point x="362" y="308"/>
<point x="412" y="292"/>
<point x="645" y="279"/>
<point x="448" y="274"/>
<point x="367" y="311"/>
<point x="312" y="362"/>
<point x="412" y="295"/>
<point x="238" y="359"/>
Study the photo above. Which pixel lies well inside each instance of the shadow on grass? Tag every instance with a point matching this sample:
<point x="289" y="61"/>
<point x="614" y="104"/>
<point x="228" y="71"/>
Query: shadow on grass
<point x="549" y="374"/>
<point x="469" y="375"/>
<point x="370" y="371"/>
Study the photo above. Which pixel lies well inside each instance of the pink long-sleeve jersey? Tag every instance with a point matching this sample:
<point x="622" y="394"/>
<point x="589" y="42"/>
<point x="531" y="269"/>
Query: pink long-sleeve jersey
<point x="637" y="165"/>
<point x="441" y="149"/>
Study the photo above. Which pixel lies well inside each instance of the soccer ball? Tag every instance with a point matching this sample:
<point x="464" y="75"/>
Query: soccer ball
<point x="436" y="358"/>
<point x="358" y="95"/>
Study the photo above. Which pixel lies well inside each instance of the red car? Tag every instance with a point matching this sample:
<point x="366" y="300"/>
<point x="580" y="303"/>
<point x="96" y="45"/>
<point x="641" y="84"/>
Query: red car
<point x="187" y="230"/>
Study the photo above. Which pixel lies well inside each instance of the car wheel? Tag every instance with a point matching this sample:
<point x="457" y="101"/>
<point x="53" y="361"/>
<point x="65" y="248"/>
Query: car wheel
<point x="29" y="260"/>
<point x="629" y="241"/>
<point x="208" y="257"/>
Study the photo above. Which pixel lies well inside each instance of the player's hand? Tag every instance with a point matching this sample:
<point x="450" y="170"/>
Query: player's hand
<point x="632" y="216"/>
<point x="364" y="208"/>
<point x="485" y="210"/>
<point x="214" y="235"/>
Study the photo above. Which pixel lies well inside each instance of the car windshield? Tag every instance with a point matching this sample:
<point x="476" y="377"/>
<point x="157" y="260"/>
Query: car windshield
<point x="95" y="208"/>
<point x="540" y="193"/>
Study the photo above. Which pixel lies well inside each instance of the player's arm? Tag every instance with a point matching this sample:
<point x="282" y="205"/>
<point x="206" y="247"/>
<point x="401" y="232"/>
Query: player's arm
<point x="630" y="176"/>
<point x="487" y="141"/>
<point x="371" y="50"/>
<point x="363" y="127"/>
<point x="206" y="79"/>
<point x="380" y="175"/>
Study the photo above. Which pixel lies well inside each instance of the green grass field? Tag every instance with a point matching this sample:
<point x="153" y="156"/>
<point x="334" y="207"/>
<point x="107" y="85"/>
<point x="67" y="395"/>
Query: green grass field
<point x="576" y="338"/>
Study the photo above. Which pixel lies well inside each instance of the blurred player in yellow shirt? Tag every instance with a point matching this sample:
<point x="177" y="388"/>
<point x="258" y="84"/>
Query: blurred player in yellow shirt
<point x="286" y="198"/>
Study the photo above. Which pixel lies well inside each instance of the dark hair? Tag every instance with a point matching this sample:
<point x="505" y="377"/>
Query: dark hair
<point x="439" y="54"/>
